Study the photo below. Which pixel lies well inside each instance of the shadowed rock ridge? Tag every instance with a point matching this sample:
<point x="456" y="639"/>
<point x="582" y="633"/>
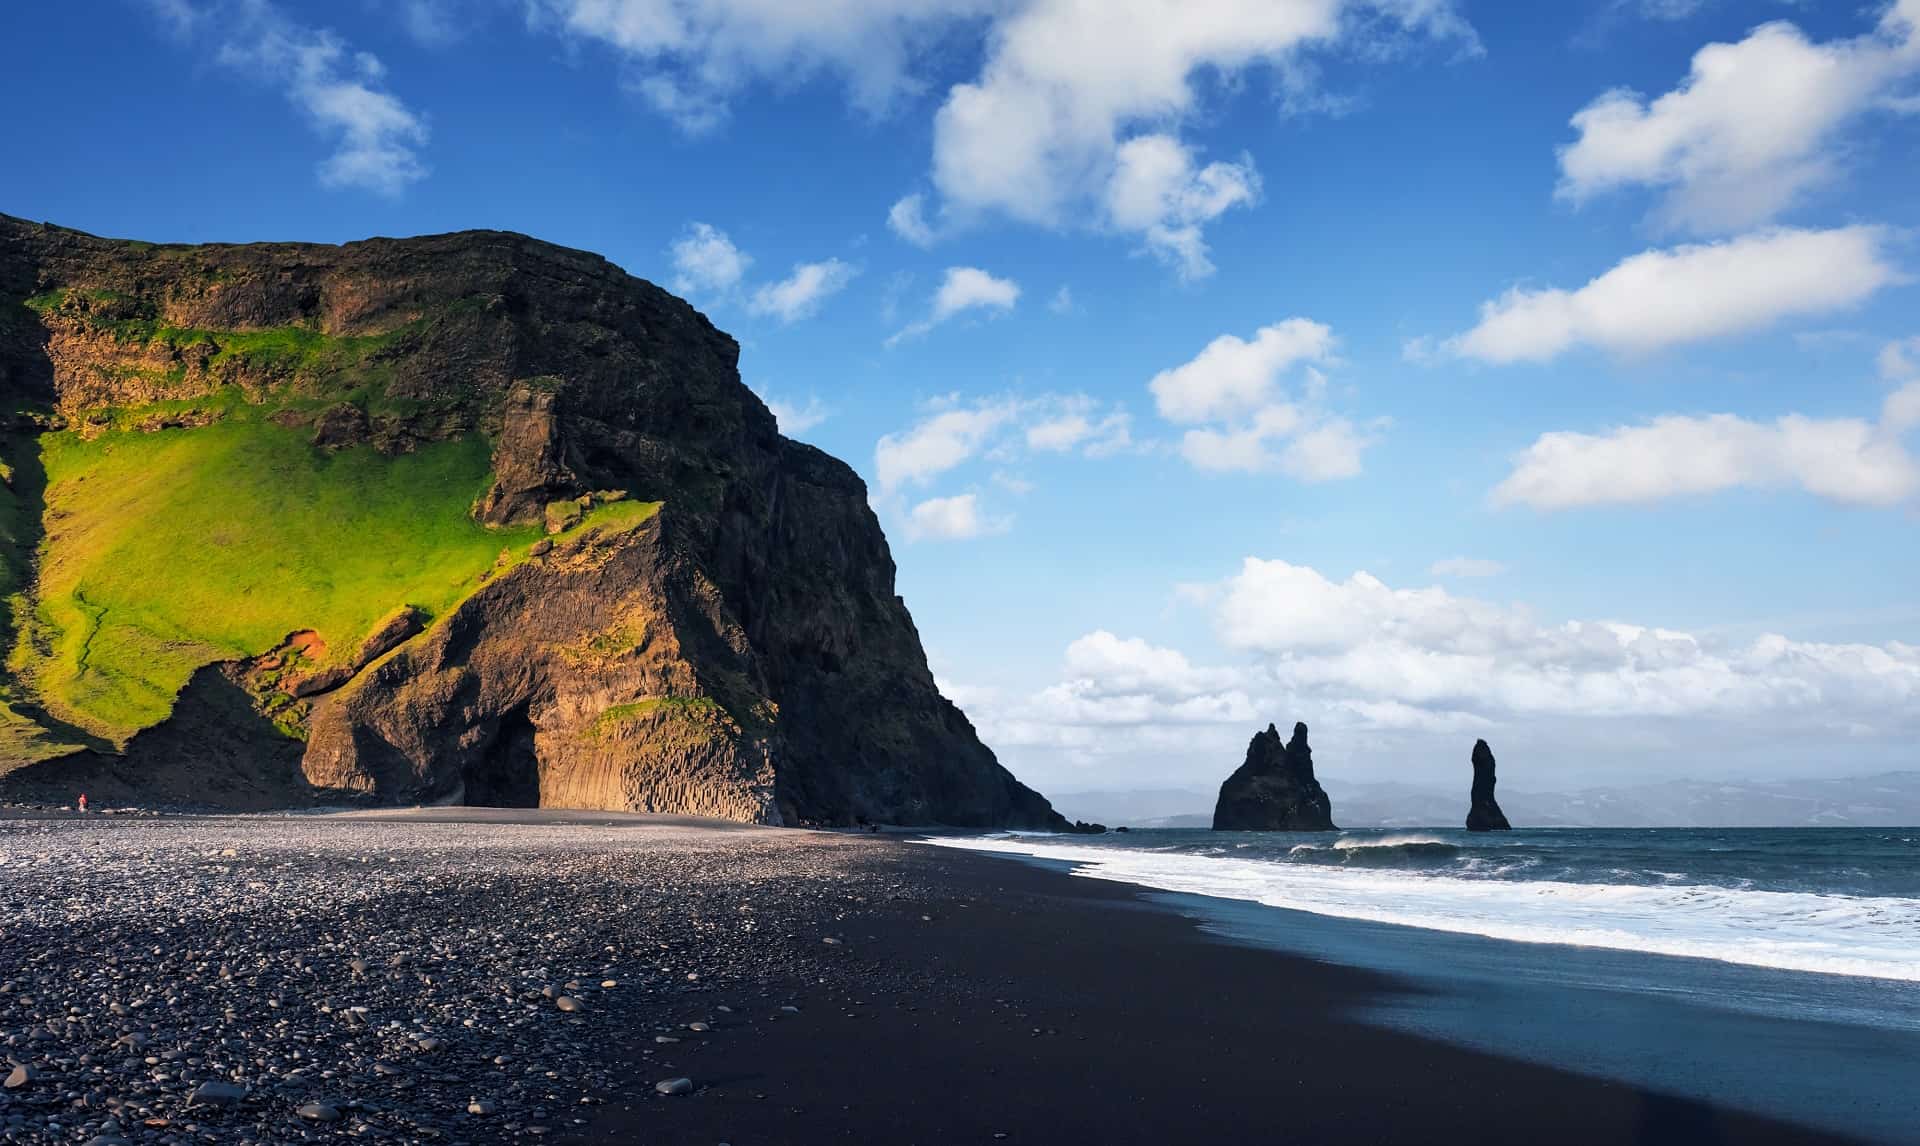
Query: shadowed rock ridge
<point x="1275" y="789"/>
<point x="741" y="652"/>
<point x="1485" y="814"/>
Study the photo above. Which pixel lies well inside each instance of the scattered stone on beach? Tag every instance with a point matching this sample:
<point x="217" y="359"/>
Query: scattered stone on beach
<point x="672" y="1086"/>
<point x="1485" y="814"/>
<point x="483" y="1107"/>
<point x="217" y="1094"/>
<point x="21" y="1076"/>
<point x="1274" y="790"/>
<point x="391" y="970"/>
<point x="569" y="1003"/>
<point x="319" y="1112"/>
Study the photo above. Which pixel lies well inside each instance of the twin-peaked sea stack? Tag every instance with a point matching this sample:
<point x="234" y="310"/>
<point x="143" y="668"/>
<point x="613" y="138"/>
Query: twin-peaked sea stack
<point x="1274" y="791"/>
<point x="1485" y="815"/>
<point x="464" y="518"/>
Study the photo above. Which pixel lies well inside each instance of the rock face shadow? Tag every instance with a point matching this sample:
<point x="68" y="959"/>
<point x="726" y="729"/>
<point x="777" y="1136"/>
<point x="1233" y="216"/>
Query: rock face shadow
<point x="507" y="774"/>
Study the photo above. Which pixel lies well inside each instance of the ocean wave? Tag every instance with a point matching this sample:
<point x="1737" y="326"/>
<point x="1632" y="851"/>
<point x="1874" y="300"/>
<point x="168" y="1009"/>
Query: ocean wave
<point x="1871" y="936"/>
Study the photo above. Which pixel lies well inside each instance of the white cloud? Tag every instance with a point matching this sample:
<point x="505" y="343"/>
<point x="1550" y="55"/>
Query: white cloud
<point x="1233" y="376"/>
<point x="1074" y="116"/>
<point x="1252" y="425"/>
<point x="907" y="218"/>
<point x="1753" y="127"/>
<point x="433" y="23"/>
<point x="953" y="519"/>
<point x="953" y="433"/>
<point x="1411" y="675"/>
<point x="1156" y="193"/>
<point x="1062" y="301"/>
<point x="1077" y="423"/>
<point x="963" y="289"/>
<point x="1663" y="298"/>
<point x="800" y="294"/>
<point x="1900" y="363"/>
<point x="1466" y="567"/>
<point x="938" y="443"/>
<point x="706" y="261"/>
<point x="377" y="136"/>
<point x="1847" y="460"/>
<point x="794" y="419"/>
<point x="690" y="58"/>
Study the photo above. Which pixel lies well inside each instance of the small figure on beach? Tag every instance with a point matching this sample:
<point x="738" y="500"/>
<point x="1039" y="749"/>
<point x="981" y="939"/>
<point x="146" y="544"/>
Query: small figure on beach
<point x="83" y="803"/>
<point x="1485" y="815"/>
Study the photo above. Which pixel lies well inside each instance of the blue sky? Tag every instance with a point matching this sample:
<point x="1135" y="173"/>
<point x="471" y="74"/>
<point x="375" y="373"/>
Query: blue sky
<point x="1565" y="395"/>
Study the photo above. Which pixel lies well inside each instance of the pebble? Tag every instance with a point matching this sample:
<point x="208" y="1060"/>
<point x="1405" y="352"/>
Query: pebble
<point x="217" y="1094"/>
<point x="318" y="1112"/>
<point x="20" y="1076"/>
<point x="174" y="1001"/>
<point x="674" y="1086"/>
<point x="569" y="1003"/>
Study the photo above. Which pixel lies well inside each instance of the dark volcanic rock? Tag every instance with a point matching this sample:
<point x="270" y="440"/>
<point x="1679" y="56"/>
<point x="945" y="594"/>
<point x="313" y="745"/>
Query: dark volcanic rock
<point x="1485" y="815"/>
<point x="741" y="653"/>
<point x="1275" y="789"/>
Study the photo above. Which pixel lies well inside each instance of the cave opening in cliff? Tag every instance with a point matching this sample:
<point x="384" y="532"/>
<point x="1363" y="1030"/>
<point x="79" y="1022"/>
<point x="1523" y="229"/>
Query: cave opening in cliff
<point x="507" y="774"/>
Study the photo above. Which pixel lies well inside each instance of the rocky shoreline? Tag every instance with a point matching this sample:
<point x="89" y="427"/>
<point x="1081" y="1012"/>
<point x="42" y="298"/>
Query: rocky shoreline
<point x="390" y="978"/>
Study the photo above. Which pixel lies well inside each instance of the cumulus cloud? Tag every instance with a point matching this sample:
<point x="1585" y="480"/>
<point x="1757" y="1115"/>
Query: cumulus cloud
<point x="1753" y="127"/>
<point x="707" y="264"/>
<point x="954" y="432"/>
<point x="939" y="442"/>
<point x="342" y="92"/>
<point x="800" y="294"/>
<point x="1663" y="298"/>
<point x="1074" y="116"/>
<point x="1851" y="461"/>
<point x="907" y="218"/>
<point x="1079" y="423"/>
<point x="690" y="58"/>
<point x="1369" y="664"/>
<point x="1157" y="193"/>
<point x="963" y="289"/>
<point x="958" y="518"/>
<point x="1466" y="567"/>
<point x="1233" y="393"/>
<point x="793" y="418"/>
<point x="706" y="261"/>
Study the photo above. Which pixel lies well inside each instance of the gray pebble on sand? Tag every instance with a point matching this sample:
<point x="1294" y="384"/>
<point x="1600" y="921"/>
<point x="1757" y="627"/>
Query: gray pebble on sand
<point x="388" y="957"/>
<point x="674" y="1086"/>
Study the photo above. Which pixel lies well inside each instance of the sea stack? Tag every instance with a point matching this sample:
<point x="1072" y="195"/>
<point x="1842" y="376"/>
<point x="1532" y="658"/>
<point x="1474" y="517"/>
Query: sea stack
<point x="1274" y="791"/>
<point x="1485" y="815"/>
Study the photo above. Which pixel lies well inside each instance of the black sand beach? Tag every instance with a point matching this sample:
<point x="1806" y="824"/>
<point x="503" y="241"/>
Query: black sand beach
<point x="401" y="977"/>
<point x="1035" y="1007"/>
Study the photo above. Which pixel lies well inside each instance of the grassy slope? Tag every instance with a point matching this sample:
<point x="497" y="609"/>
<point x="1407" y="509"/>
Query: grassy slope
<point x="168" y="551"/>
<point x="171" y="550"/>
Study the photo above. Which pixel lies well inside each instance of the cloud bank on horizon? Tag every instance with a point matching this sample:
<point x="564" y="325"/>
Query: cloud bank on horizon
<point x="1088" y="252"/>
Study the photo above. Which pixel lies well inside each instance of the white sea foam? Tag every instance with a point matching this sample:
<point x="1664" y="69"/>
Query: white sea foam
<point x="1870" y="936"/>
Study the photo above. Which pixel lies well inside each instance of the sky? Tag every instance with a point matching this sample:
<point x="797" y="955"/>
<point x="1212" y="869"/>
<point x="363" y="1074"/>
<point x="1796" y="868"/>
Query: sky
<point x="1424" y="370"/>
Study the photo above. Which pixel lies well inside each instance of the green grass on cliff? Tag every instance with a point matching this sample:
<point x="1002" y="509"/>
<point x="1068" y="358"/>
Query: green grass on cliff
<point x="160" y="552"/>
<point x="171" y="550"/>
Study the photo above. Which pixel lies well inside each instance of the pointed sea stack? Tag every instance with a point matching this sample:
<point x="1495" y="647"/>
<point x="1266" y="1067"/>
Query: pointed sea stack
<point x="1485" y="815"/>
<point x="1274" y="791"/>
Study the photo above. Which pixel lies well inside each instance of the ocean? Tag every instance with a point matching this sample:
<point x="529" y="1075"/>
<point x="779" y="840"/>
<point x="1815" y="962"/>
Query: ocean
<point x="1772" y="968"/>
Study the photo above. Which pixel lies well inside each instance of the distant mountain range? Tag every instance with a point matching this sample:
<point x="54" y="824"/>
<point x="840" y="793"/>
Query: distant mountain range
<point x="1886" y="800"/>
